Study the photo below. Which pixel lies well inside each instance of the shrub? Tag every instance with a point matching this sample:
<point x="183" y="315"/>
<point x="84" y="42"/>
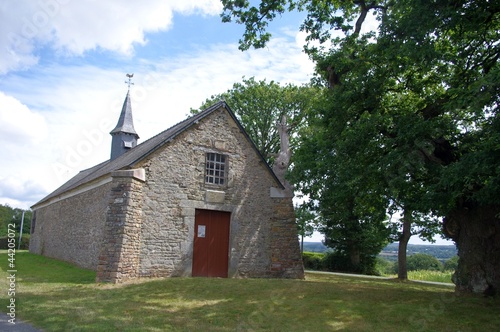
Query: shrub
<point x="417" y="262"/>
<point x="313" y="260"/>
<point x="383" y="266"/>
<point x="451" y="264"/>
<point x="25" y="242"/>
<point x="337" y="261"/>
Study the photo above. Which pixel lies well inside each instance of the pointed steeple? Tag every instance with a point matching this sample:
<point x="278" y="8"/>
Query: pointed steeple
<point x="124" y="136"/>
<point x="125" y="122"/>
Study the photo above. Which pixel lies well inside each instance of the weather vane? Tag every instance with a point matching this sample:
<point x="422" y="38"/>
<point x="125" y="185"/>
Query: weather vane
<point x="129" y="80"/>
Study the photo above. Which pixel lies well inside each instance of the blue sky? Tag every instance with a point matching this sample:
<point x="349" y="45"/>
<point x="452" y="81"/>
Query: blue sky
<point x="63" y="67"/>
<point x="62" y="77"/>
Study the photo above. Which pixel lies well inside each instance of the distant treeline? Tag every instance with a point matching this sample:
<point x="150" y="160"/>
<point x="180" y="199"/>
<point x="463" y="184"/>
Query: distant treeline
<point x="390" y="252"/>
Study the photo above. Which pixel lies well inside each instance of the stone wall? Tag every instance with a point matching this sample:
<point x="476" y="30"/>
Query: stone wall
<point x="71" y="229"/>
<point x="141" y="223"/>
<point x="175" y="187"/>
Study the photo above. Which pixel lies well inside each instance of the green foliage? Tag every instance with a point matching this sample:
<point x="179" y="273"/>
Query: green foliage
<point x="383" y="266"/>
<point x="410" y="120"/>
<point x="335" y="261"/>
<point x="418" y="262"/>
<point x="313" y="260"/>
<point x="9" y="215"/>
<point x="451" y="264"/>
<point x="322" y="18"/>
<point x="25" y="242"/>
<point x="307" y="222"/>
<point x="255" y="19"/>
<point x="339" y="261"/>
<point x="423" y="262"/>
<point x="260" y="105"/>
<point x="344" y="195"/>
<point x="331" y="261"/>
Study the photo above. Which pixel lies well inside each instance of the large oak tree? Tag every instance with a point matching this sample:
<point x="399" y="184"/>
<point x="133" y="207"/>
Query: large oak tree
<point x="411" y="120"/>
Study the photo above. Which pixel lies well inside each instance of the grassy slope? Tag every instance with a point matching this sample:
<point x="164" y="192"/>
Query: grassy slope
<point x="59" y="297"/>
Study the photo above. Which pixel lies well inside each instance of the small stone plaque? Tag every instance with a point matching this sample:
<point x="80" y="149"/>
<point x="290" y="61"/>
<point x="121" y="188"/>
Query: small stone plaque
<point x="214" y="196"/>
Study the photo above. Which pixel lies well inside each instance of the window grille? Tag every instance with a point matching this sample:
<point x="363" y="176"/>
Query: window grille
<point x="215" y="171"/>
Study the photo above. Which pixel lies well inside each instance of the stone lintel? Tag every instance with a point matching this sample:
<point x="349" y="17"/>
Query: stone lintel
<point x="137" y="173"/>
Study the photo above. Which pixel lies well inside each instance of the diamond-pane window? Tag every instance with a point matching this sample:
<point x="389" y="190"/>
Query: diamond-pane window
<point x="215" y="171"/>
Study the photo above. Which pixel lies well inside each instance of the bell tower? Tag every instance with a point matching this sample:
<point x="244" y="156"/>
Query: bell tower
<point x="124" y="136"/>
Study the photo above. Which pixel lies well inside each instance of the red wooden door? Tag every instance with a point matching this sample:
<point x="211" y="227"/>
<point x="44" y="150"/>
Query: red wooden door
<point x="211" y="243"/>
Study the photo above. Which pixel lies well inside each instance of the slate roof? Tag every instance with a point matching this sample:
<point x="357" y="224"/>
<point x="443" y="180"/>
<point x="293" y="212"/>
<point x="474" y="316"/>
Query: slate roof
<point x="125" y="122"/>
<point x="129" y="159"/>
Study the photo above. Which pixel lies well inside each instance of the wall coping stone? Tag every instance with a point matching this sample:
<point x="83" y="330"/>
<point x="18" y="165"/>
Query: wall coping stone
<point x="277" y="193"/>
<point x="137" y="173"/>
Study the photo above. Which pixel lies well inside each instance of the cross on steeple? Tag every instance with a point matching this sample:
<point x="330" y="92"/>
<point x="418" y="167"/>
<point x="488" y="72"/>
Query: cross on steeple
<point x="129" y="80"/>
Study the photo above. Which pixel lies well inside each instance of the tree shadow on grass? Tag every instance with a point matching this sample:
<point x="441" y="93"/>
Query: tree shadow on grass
<point x="57" y="296"/>
<point x="199" y="304"/>
<point x="184" y="304"/>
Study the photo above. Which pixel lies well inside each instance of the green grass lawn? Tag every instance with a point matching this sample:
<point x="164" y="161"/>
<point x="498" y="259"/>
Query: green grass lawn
<point x="56" y="296"/>
<point x="436" y="276"/>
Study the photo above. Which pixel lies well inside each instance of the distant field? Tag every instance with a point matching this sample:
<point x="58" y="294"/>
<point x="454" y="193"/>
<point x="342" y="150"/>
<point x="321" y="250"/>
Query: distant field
<point x="56" y="296"/>
<point x="390" y="252"/>
<point x="442" y="253"/>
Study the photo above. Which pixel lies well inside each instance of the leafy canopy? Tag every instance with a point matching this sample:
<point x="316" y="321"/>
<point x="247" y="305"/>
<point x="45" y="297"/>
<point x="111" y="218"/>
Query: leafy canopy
<point x="413" y="103"/>
<point x="260" y="105"/>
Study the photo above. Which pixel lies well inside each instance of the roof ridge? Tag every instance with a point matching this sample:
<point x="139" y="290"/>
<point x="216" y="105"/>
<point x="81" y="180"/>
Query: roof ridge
<point x="189" y="120"/>
<point x="138" y="153"/>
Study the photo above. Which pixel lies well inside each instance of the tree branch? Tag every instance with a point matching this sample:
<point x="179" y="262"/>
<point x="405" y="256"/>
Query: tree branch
<point x="364" y="11"/>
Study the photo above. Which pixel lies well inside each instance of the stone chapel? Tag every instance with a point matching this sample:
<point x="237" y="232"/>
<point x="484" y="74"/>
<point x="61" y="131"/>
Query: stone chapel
<point x="198" y="199"/>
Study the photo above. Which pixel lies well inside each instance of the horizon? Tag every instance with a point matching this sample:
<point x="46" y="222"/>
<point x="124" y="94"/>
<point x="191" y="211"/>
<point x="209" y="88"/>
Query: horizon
<point x="318" y="237"/>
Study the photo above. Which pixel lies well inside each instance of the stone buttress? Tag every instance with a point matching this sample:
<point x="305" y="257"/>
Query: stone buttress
<point x="119" y="256"/>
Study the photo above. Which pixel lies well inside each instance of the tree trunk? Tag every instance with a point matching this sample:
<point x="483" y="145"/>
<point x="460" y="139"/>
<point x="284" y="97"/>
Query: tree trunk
<point x="403" y="245"/>
<point x="282" y="161"/>
<point x="476" y="232"/>
<point x="355" y="256"/>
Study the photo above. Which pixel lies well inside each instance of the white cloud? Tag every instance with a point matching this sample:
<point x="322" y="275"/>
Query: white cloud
<point x="82" y="103"/>
<point x="72" y="27"/>
<point x="163" y="97"/>
<point x="19" y="190"/>
<point x="74" y="106"/>
<point x="20" y="125"/>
